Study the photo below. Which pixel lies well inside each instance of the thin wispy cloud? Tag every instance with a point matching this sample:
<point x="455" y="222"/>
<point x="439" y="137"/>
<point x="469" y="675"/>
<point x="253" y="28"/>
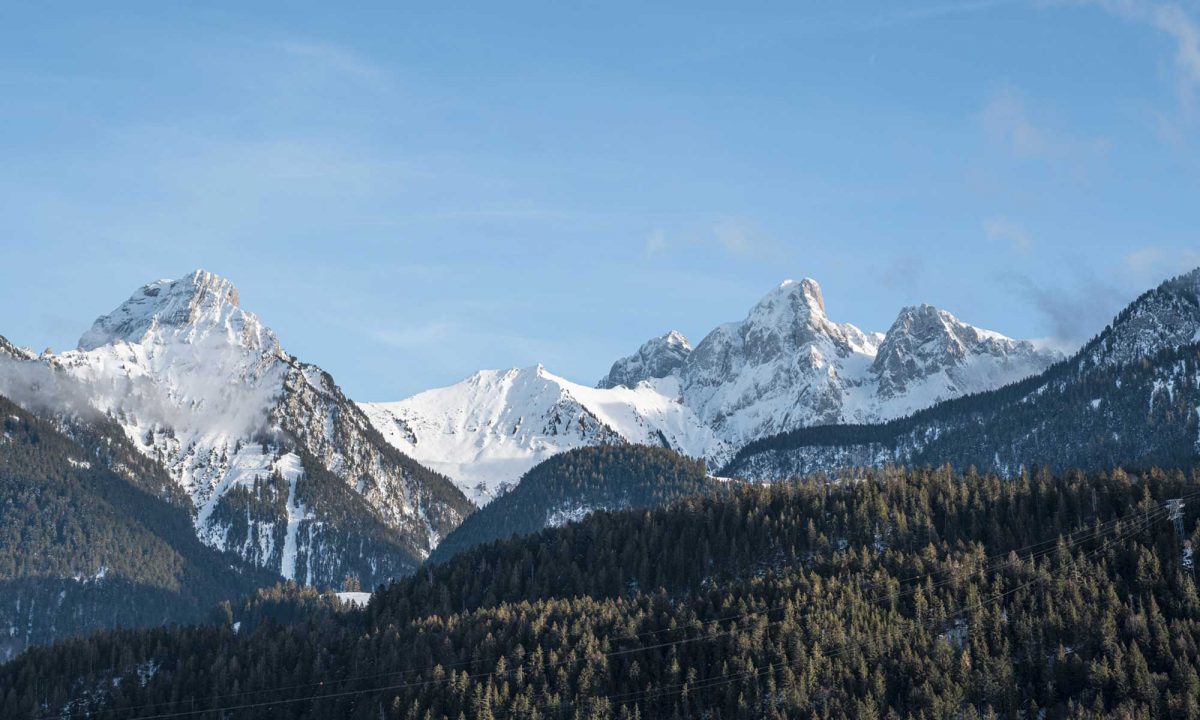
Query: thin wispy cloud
<point x="902" y="272"/>
<point x="335" y="58"/>
<point x="1082" y="300"/>
<point x="731" y="236"/>
<point x="1171" y="18"/>
<point x="1005" y="230"/>
<point x="1182" y="25"/>
<point x="1151" y="265"/>
<point x="1010" y="122"/>
<point x="656" y="243"/>
<point x="1073" y="308"/>
<point x="738" y="238"/>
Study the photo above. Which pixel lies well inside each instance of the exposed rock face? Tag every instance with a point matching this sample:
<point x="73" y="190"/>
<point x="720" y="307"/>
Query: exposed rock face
<point x="786" y="365"/>
<point x="657" y="358"/>
<point x="925" y="341"/>
<point x="1128" y="398"/>
<point x="280" y="466"/>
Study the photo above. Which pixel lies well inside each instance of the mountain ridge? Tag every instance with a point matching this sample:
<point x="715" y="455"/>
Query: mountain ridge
<point x="1129" y="397"/>
<point x="785" y="365"/>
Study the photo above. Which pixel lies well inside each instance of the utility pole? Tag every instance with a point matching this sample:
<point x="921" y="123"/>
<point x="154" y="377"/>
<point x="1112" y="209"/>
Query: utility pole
<point x="1175" y="513"/>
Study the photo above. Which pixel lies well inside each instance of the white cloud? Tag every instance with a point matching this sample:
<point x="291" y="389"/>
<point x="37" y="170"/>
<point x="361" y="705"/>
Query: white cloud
<point x="1151" y="265"/>
<point x="729" y="235"/>
<point x="1001" y="228"/>
<point x="656" y="243"/>
<point x="1172" y="19"/>
<point x="1177" y="22"/>
<point x="334" y="58"/>
<point x="1008" y="120"/>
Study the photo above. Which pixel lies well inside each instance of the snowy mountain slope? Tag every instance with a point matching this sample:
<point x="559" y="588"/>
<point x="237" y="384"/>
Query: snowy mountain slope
<point x="7" y="349"/>
<point x="203" y="387"/>
<point x="1167" y="316"/>
<point x="786" y="365"/>
<point x="490" y="429"/>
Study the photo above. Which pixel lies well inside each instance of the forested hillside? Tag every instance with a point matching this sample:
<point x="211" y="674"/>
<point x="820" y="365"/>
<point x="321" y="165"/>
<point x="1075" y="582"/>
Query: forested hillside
<point x="569" y="486"/>
<point x="892" y="594"/>
<point x="92" y="535"/>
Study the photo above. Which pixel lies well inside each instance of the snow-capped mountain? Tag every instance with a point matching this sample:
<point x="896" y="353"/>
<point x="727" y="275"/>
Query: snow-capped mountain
<point x="276" y="460"/>
<point x="488" y="430"/>
<point x="786" y="365"/>
<point x="657" y="358"/>
<point x="1130" y="397"/>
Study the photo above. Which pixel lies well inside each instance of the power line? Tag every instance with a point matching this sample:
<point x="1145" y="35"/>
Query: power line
<point x="635" y="696"/>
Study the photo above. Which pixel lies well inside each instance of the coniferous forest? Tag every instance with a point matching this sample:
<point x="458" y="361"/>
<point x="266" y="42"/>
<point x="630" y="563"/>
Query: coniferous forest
<point x="891" y="593"/>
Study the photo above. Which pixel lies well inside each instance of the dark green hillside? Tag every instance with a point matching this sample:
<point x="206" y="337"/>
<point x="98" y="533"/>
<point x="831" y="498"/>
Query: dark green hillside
<point x="570" y="485"/>
<point x="84" y="547"/>
<point x="902" y="594"/>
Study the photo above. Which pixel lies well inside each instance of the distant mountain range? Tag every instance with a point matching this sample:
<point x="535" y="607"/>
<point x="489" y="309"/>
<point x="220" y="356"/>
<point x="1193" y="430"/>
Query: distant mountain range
<point x="785" y="366"/>
<point x="187" y="411"/>
<point x="1130" y="397"/>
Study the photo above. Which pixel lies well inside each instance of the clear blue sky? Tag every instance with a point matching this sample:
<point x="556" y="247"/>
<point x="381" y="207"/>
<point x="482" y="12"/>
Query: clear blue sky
<point x="409" y="193"/>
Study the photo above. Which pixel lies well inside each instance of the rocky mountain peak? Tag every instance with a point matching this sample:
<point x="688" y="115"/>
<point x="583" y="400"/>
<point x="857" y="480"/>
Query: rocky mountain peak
<point x="7" y="349"/>
<point x="656" y="358"/>
<point x="790" y="303"/>
<point x="925" y="340"/>
<point x="198" y="307"/>
<point x="925" y="330"/>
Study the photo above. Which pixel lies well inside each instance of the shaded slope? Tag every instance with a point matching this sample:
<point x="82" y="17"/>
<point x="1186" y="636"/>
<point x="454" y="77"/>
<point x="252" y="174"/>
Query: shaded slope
<point x="573" y="484"/>
<point x="93" y="535"/>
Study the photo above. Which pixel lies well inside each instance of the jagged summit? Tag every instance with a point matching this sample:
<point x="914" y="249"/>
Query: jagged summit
<point x="925" y="340"/>
<point x="656" y="358"/>
<point x="790" y="307"/>
<point x="191" y="309"/>
<point x="785" y="365"/>
<point x="203" y="387"/>
<point x="807" y="290"/>
<point x="7" y="349"/>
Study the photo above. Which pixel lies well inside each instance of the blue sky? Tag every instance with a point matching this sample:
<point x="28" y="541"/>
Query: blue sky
<point x="407" y="194"/>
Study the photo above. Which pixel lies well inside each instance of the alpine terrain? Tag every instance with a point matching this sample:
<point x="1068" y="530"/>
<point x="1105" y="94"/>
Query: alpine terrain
<point x="279" y="467"/>
<point x="1130" y="397"/>
<point x="785" y="366"/>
